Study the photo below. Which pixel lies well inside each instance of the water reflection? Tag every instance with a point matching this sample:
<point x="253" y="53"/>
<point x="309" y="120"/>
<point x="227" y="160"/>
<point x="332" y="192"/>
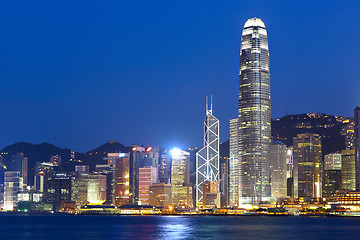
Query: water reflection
<point x="174" y="227"/>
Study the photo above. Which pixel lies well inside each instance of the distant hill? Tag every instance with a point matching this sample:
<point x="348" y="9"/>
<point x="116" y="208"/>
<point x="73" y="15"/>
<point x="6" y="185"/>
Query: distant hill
<point x="94" y="157"/>
<point x="42" y="153"/>
<point x="327" y="126"/>
<point x="285" y="128"/>
<point x="35" y="153"/>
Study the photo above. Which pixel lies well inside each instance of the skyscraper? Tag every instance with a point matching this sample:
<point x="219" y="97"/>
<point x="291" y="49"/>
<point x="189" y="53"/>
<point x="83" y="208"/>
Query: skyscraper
<point x="147" y="176"/>
<point x="278" y="170"/>
<point x="290" y="171"/>
<point x="332" y="174"/>
<point x="181" y="189"/>
<point x="18" y="162"/>
<point x="234" y="165"/>
<point x="13" y="185"/>
<point x="254" y="114"/>
<point x="357" y="145"/>
<point x="207" y="158"/>
<point x="307" y="165"/>
<point x="122" y="177"/>
<point x="347" y="130"/>
<point x="348" y="170"/>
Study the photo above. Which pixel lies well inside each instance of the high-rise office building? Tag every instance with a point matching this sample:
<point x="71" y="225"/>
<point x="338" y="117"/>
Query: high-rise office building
<point x="234" y="164"/>
<point x="147" y="176"/>
<point x="289" y="162"/>
<point x="181" y="189"/>
<point x="108" y="171"/>
<point x="347" y="130"/>
<point x="164" y="166"/>
<point x="278" y="170"/>
<point x="348" y="170"/>
<point x="290" y="171"/>
<point x="211" y="195"/>
<point x="43" y="172"/>
<point x="254" y="114"/>
<point x="332" y="174"/>
<point x="96" y="188"/>
<point x="207" y="158"/>
<point x="18" y="162"/>
<point x="119" y="177"/>
<point x="79" y="186"/>
<point x="160" y="195"/>
<point x="59" y="189"/>
<point x="332" y="161"/>
<point x="224" y="181"/>
<point x="308" y="167"/>
<point x="13" y="184"/>
<point x="357" y="145"/>
<point x="122" y="179"/>
<point x="140" y="157"/>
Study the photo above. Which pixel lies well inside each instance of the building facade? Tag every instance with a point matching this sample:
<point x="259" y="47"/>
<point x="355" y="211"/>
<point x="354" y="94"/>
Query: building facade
<point x="308" y="167"/>
<point x="18" y="162"/>
<point x="357" y="145"/>
<point x="332" y="161"/>
<point x="254" y="114"/>
<point x="160" y="195"/>
<point x="332" y="174"/>
<point x="181" y="189"/>
<point x="147" y="176"/>
<point x="348" y="170"/>
<point x="207" y="158"/>
<point x="12" y="186"/>
<point x="122" y="179"/>
<point x="234" y="163"/>
<point x="211" y="196"/>
<point x="290" y="171"/>
<point x="278" y="170"/>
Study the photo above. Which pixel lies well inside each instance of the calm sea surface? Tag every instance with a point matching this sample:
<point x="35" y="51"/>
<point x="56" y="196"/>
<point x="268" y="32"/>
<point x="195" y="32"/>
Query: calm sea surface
<point x="176" y="227"/>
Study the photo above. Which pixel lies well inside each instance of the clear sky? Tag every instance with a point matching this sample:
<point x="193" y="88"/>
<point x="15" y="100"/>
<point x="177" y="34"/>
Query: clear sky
<point x="79" y="73"/>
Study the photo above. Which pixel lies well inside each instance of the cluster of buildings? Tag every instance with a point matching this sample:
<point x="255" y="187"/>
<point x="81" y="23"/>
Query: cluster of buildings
<point x="258" y="170"/>
<point x="140" y="177"/>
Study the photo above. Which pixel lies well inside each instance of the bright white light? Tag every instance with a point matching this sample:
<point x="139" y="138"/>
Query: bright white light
<point x="175" y="152"/>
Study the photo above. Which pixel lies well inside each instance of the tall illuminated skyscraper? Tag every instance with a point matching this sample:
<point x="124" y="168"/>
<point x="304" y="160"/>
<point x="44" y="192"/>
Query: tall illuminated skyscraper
<point x="278" y="170"/>
<point x="254" y="114"/>
<point x="308" y="165"/>
<point x="234" y="165"/>
<point x="357" y="145"/>
<point x="207" y="158"/>
<point x="181" y="189"/>
<point x="348" y="170"/>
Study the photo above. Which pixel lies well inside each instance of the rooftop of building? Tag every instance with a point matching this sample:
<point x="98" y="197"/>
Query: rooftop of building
<point x="254" y="22"/>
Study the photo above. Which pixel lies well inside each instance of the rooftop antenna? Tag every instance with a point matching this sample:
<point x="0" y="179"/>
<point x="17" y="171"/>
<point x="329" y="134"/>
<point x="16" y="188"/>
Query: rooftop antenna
<point x="211" y="103"/>
<point x="206" y="104"/>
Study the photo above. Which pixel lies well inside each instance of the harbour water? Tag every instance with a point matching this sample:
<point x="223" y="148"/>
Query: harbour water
<point x="176" y="227"/>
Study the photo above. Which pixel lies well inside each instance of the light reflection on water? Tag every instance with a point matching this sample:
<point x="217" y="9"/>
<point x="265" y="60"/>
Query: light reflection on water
<point x="176" y="227"/>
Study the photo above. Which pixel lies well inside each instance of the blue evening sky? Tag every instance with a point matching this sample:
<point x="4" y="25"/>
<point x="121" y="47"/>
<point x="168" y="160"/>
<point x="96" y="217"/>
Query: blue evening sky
<point x="79" y="73"/>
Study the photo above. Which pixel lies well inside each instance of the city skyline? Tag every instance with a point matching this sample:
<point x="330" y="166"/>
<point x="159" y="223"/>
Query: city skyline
<point x="106" y="137"/>
<point x="93" y="86"/>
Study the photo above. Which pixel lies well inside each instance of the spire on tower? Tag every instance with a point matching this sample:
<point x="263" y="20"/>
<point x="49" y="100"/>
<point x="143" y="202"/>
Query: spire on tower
<point x="208" y="111"/>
